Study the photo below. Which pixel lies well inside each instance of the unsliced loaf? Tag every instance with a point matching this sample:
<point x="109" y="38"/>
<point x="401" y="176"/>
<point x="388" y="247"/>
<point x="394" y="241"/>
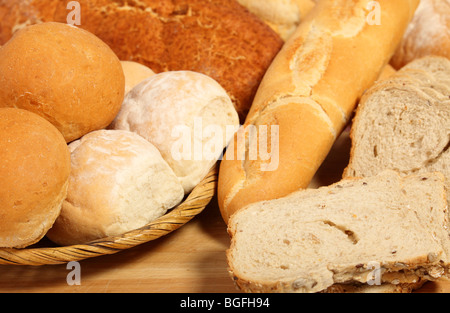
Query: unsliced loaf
<point x="119" y="182"/>
<point x="218" y="38"/>
<point x="63" y="73"/>
<point x="314" y="239"/>
<point x="187" y="115"/>
<point x="403" y="123"/>
<point x="427" y="34"/>
<point x="34" y="176"/>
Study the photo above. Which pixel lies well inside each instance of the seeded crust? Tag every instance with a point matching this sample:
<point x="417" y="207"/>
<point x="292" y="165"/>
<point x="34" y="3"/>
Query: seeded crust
<point x="383" y="288"/>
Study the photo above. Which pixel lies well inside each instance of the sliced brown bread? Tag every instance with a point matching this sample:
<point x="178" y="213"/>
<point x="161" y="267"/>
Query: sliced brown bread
<point x="340" y="235"/>
<point x="403" y="123"/>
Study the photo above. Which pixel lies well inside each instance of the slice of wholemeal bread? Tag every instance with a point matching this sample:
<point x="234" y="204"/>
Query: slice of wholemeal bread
<point x="403" y="123"/>
<point x="311" y="240"/>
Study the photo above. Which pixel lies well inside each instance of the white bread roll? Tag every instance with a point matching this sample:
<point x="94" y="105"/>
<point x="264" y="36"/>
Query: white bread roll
<point x="119" y="182"/>
<point x="134" y="73"/>
<point x="34" y="175"/>
<point x="427" y="34"/>
<point x="174" y="110"/>
<point x="63" y="73"/>
<point x="283" y="16"/>
<point x="309" y="92"/>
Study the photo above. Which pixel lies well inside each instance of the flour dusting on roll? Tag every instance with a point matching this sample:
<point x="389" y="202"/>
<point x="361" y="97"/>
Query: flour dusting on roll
<point x="188" y="116"/>
<point x="119" y="182"/>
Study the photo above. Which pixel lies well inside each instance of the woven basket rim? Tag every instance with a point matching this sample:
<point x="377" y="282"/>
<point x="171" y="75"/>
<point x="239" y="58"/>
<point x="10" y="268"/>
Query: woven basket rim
<point x="178" y="216"/>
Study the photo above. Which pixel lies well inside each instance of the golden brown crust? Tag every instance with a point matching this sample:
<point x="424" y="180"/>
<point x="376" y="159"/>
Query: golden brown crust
<point x="64" y="74"/>
<point x="218" y="38"/>
<point x="35" y="166"/>
<point x="293" y="111"/>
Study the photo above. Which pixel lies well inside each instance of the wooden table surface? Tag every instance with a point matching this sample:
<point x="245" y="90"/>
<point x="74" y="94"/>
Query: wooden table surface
<point x="191" y="259"/>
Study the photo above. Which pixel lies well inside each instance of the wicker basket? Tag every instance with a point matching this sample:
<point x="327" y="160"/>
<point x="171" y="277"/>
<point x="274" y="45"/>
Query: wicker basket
<point x="195" y="202"/>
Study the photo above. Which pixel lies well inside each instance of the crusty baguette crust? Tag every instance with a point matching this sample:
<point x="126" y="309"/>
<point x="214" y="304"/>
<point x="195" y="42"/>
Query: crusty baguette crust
<point x="218" y="38"/>
<point x="310" y="91"/>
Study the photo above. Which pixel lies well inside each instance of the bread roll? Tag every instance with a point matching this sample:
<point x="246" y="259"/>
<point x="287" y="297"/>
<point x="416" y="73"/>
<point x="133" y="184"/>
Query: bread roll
<point x="185" y="115"/>
<point x="283" y="16"/>
<point x="119" y="182"/>
<point x="134" y="74"/>
<point x="427" y="34"/>
<point x="309" y="92"/>
<point x="218" y="38"/>
<point x="34" y="171"/>
<point x="63" y="73"/>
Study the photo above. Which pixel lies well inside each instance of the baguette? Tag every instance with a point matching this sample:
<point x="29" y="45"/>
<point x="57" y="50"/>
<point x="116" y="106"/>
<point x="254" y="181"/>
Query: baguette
<point x="217" y="38"/>
<point x="309" y="92"/>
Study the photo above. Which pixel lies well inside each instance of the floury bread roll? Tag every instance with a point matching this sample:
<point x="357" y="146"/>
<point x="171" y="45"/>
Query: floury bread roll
<point x="34" y="175"/>
<point x="119" y="182"/>
<point x="134" y="73"/>
<point x="63" y="73"/>
<point x="188" y="116"/>
<point x="309" y="92"/>
<point x="427" y="34"/>
<point x="283" y="16"/>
